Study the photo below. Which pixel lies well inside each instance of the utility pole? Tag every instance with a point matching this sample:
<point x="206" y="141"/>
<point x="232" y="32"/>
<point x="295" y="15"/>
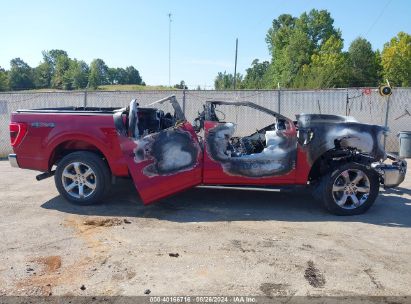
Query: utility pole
<point x="279" y="98"/>
<point x="387" y="109"/>
<point x="235" y="63"/>
<point x="169" y="49"/>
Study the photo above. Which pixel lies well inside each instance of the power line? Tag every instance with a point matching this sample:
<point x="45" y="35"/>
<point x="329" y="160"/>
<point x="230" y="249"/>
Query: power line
<point x="378" y="17"/>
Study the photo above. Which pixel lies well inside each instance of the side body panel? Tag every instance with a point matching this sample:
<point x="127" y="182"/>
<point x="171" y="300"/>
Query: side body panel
<point x="46" y="131"/>
<point x="163" y="163"/>
<point x="321" y="133"/>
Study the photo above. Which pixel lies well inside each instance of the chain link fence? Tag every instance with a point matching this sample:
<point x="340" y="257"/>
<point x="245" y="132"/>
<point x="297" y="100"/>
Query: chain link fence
<point x="366" y="105"/>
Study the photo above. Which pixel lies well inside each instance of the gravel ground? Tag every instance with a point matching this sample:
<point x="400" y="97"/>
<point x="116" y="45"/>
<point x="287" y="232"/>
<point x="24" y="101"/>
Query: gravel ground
<point x="200" y="242"/>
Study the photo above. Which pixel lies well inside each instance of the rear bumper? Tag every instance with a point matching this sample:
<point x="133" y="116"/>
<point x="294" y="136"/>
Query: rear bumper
<point x="391" y="174"/>
<point x="13" y="161"/>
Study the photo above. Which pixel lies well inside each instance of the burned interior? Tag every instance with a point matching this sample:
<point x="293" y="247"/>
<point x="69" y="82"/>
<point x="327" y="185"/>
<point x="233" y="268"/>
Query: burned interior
<point x="269" y="151"/>
<point x="143" y="121"/>
<point x="160" y="137"/>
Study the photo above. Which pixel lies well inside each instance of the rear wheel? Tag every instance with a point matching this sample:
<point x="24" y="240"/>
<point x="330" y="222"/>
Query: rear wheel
<point x="82" y="178"/>
<point x="351" y="189"/>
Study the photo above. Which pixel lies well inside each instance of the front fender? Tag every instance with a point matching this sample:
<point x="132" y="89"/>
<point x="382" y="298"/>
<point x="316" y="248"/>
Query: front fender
<point x="321" y="135"/>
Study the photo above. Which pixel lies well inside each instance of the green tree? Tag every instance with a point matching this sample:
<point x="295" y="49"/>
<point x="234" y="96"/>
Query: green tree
<point x="50" y="61"/>
<point x="255" y="75"/>
<point x="362" y="64"/>
<point x="42" y="75"/>
<point x="278" y="35"/>
<point x="327" y="67"/>
<point x="396" y="60"/>
<point x="225" y="81"/>
<point x="112" y="76"/>
<point x="378" y="62"/>
<point x="117" y="76"/>
<point x="51" y="57"/>
<point x="98" y="73"/>
<point x="20" y="75"/>
<point x="58" y="70"/>
<point x="122" y="76"/>
<point x="133" y="76"/>
<point x="4" y="83"/>
<point x="76" y="77"/>
<point x="60" y="79"/>
<point x="319" y="26"/>
<point x="290" y="60"/>
<point x="181" y="85"/>
<point x="293" y="41"/>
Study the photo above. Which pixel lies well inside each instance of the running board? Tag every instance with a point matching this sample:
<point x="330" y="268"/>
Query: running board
<point x="279" y="189"/>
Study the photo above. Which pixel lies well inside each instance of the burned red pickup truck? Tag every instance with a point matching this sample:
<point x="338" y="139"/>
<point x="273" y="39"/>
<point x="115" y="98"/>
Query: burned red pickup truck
<point x="341" y="159"/>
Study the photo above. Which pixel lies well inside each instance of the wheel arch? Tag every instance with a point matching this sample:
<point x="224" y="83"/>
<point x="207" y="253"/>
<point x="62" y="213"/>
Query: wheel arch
<point x="68" y="146"/>
<point x="332" y="158"/>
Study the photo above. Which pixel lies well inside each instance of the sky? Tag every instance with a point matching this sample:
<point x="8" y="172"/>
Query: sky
<point x="203" y="33"/>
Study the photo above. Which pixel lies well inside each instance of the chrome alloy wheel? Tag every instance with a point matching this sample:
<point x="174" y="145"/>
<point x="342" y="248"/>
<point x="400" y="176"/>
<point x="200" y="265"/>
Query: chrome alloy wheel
<point x="351" y="189"/>
<point x="79" y="180"/>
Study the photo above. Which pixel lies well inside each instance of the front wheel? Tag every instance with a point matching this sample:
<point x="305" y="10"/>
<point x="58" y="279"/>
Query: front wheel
<point x="350" y="189"/>
<point x="82" y="178"/>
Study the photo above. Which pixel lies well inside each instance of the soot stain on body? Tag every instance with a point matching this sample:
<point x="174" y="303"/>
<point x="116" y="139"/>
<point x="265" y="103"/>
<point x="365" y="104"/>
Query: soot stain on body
<point x="172" y="151"/>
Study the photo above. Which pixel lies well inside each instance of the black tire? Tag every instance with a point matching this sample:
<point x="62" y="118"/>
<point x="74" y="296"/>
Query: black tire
<point x="66" y="178"/>
<point x="334" y="189"/>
